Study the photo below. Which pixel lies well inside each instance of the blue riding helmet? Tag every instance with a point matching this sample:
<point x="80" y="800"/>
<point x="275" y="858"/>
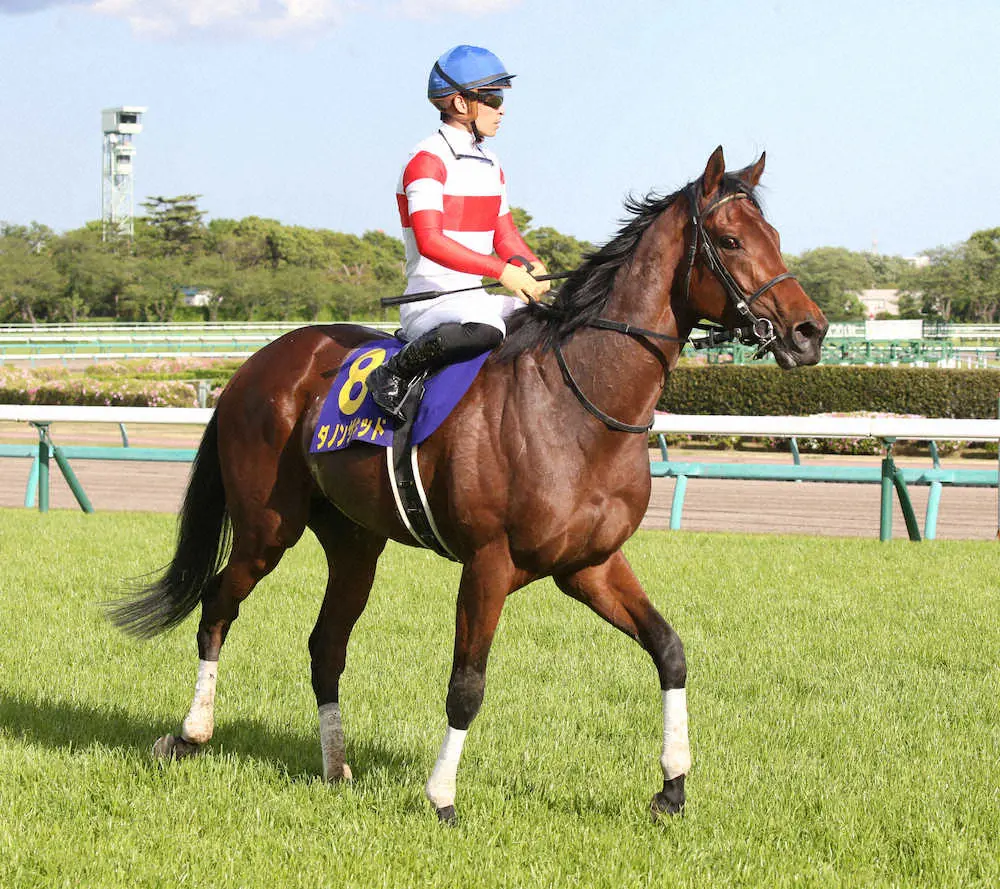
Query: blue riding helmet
<point x="466" y="67"/>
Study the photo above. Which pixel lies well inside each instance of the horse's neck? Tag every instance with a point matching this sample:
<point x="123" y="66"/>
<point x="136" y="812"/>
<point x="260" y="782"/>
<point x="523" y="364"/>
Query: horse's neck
<point x="629" y="376"/>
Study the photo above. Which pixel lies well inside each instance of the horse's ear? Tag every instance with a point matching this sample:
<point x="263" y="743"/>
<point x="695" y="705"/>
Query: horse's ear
<point x="751" y="175"/>
<point x="714" y="171"/>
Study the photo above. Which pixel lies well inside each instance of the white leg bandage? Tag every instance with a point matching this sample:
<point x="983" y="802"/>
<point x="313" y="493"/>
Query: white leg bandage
<point x="676" y="756"/>
<point x="200" y="721"/>
<point x="331" y="739"/>
<point x="441" y="785"/>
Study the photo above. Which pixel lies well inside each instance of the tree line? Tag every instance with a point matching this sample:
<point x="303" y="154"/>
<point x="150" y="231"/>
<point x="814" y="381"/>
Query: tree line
<point x="257" y="269"/>
<point x="957" y="284"/>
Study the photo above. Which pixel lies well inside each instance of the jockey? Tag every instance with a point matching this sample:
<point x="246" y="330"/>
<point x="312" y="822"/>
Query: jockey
<point x="452" y="199"/>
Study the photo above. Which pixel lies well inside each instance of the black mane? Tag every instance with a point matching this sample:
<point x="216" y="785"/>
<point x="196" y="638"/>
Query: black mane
<point x="585" y="294"/>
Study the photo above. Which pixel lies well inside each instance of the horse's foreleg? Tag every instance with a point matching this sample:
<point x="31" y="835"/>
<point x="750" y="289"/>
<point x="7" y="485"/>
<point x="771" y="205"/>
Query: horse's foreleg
<point x="613" y="591"/>
<point x="486" y="582"/>
<point x="352" y="554"/>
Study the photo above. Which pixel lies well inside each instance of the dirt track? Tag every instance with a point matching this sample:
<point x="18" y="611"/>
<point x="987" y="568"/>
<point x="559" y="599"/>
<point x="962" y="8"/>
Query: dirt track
<point x="710" y="505"/>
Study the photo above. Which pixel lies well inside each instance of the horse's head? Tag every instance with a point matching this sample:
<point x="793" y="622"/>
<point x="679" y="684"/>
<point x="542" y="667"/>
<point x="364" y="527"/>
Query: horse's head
<point x="735" y="273"/>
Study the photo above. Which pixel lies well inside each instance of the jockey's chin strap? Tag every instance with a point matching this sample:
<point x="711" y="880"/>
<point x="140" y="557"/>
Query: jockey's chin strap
<point x="755" y="330"/>
<point x="468" y="95"/>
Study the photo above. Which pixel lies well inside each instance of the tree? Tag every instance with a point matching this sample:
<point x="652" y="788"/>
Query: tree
<point x="960" y="283"/>
<point x="243" y="293"/>
<point x="173" y="227"/>
<point x="297" y="291"/>
<point x="95" y="274"/>
<point x="832" y="278"/>
<point x="154" y="293"/>
<point x="982" y="252"/>
<point x="29" y="278"/>
<point x="559" y="252"/>
<point x="888" y="271"/>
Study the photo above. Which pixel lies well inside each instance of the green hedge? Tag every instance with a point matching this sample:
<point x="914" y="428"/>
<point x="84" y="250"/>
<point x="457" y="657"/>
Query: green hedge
<point x="706" y="389"/>
<point x="768" y="390"/>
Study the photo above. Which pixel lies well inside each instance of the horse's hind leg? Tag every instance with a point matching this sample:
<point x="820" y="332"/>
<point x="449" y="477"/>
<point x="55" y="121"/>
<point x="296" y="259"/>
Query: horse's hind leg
<point x="255" y="554"/>
<point x="268" y="516"/>
<point x="352" y="554"/>
<point x="613" y="591"/>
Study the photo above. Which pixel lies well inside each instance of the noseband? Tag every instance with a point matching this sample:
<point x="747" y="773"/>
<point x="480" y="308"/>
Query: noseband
<point x="755" y="330"/>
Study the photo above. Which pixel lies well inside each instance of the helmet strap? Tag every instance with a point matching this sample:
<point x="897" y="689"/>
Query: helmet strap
<point x="469" y="118"/>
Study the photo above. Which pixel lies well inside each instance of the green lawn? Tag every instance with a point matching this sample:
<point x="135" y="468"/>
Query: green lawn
<point x="844" y="724"/>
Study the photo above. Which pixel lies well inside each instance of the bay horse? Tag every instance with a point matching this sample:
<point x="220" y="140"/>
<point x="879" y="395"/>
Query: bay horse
<point x="541" y="470"/>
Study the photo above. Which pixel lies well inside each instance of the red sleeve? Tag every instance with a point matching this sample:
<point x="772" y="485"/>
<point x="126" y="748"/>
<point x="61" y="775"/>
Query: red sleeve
<point x="424" y="165"/>
<point x="507" y="241"/>
<point x="435" y="245"/>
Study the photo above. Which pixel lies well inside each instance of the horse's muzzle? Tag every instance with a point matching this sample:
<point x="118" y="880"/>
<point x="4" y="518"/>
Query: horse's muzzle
<point x="802" y="345"/>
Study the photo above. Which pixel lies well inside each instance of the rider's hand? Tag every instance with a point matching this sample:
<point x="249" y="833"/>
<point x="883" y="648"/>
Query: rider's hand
<point x="538" y="270"/>
<point x="521" y="284"/>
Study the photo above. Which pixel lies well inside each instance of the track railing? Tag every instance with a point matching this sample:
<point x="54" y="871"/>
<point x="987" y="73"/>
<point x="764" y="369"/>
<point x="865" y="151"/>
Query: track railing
<point x="890" y="476"/>
<point x="106" y="342"/>
<point x="41" y="417"/>
<point x="885" y="429"/>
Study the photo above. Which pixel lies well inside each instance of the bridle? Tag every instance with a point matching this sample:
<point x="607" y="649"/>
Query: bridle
<point x="755" y="329"/>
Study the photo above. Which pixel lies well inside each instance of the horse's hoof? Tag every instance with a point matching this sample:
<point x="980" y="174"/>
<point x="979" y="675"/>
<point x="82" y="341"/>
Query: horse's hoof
<point x="670" y="800"/>
<point x="446" y="815"/>
<point x="344" y="775"/>
<point x="172" y="747"/>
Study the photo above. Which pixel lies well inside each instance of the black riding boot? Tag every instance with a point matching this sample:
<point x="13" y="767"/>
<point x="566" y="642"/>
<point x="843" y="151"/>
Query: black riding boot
<point x="390" y="382"/>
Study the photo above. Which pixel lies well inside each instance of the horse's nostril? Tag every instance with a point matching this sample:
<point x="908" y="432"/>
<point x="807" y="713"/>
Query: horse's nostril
<point x="805" y="332"/>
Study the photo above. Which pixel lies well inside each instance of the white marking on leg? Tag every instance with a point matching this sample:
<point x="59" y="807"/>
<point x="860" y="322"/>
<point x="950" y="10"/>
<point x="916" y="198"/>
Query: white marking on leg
<point x="331" y="739"/>
<point x="200" y="721"/>
<point x="442" y="784"/>
<point x="676" y="756"/>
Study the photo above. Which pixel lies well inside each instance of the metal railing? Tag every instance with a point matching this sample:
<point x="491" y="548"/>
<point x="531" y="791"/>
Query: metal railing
<point x="886" y="429"/>
<point x="29" y="345"/>
<point x="890" y="476"/>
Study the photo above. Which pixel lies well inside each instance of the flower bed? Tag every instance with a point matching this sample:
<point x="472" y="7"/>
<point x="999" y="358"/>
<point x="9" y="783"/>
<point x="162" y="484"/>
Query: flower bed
<point x="157" y="383"/>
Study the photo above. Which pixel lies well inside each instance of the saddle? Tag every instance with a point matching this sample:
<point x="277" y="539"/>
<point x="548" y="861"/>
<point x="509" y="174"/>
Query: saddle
<point x="349" y="418"/>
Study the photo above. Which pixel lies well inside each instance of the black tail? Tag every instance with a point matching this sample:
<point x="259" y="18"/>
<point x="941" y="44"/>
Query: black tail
<point x="202" y="543"/>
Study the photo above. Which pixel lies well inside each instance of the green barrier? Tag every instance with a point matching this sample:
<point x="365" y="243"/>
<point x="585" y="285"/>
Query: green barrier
<point x="37" y="487"/>
<point x="159" y="455"/>
<point x="890" y="476"/>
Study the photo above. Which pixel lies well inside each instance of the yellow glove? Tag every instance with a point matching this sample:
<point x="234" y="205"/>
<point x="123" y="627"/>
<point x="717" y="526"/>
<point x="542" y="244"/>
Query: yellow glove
<point x="521" y="284"/>
<point x="538" y="270"/>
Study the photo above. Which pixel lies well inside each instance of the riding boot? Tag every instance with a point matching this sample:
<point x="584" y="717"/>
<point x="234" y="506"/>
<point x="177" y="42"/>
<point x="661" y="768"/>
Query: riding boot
<point x="390" y="383"/>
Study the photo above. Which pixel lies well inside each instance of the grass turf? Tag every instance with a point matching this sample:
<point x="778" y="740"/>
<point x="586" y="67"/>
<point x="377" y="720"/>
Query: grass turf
<point x="843" y="698"/>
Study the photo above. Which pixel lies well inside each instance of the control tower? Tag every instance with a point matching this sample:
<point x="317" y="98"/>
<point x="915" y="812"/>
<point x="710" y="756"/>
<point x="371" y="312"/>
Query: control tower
<point x="117" y="164"/>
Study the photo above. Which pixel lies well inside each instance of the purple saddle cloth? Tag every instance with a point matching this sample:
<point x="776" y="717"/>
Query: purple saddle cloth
<point x="349" y="414"/>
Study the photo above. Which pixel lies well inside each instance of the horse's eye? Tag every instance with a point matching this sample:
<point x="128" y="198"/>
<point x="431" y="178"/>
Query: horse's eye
<point x="728" y="243"/>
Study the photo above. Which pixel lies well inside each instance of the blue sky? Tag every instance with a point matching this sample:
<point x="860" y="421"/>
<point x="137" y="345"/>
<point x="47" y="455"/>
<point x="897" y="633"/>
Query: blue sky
<point x="881" y="119"/>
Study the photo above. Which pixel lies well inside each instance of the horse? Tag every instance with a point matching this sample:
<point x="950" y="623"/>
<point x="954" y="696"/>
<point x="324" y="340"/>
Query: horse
<point x="541" y="470"/>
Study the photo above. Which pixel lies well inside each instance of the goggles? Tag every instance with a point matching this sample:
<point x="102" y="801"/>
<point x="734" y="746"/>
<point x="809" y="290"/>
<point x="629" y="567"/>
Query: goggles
<point x="490" y="98"/>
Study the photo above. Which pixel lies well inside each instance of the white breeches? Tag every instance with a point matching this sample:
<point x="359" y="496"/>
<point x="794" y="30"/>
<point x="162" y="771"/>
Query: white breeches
<point x="477" y="306"/>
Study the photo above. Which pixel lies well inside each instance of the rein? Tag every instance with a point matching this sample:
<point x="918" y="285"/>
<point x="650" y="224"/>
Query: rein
<point x="757" y="330"/>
